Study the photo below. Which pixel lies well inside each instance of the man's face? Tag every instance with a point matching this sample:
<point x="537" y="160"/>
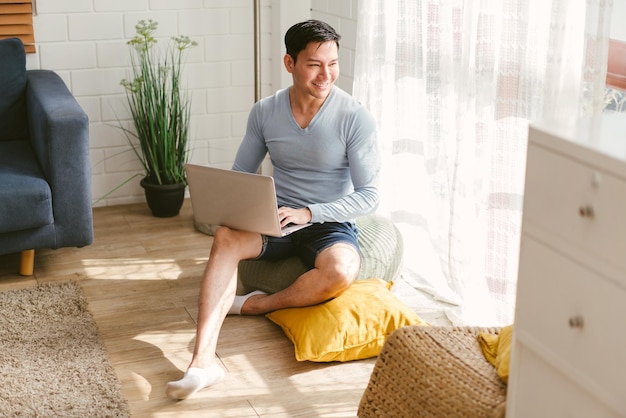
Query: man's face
<point x="316" y="70"/>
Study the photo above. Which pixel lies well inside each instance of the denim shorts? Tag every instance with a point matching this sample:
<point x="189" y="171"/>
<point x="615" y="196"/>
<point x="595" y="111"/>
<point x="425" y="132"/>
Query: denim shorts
<point x="308" y="242"/>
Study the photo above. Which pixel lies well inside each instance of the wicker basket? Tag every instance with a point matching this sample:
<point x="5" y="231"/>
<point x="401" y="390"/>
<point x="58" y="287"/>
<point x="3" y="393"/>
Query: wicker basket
<point x="433" y="372"/>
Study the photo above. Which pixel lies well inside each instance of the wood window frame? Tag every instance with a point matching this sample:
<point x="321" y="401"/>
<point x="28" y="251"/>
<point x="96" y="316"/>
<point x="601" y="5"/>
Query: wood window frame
<point x="616" y="68"/>
<point x="16" y="21"/>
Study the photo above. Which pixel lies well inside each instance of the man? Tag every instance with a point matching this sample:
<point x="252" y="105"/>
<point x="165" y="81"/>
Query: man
<point x="323" y="149"/>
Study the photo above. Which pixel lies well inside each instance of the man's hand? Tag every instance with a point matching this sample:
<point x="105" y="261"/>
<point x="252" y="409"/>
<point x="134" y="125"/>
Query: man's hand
<point x="293" y="216"/>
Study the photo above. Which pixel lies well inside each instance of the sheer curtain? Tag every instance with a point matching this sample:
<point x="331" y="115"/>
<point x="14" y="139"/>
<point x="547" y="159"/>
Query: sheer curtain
<point x="453" y="85"/>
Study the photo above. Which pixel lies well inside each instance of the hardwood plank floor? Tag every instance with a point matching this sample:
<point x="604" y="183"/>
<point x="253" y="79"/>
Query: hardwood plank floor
<point x="141" y="277"/>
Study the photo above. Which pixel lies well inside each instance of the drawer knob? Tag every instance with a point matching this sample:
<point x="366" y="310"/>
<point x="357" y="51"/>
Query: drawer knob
<point x="596" y="179"/>
<point x="586" y="211"/>
<point x="577" y="322"/>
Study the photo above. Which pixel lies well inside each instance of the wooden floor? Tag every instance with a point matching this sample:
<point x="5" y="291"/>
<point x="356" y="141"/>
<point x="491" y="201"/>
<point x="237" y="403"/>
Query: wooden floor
<point x="141" y="277"/>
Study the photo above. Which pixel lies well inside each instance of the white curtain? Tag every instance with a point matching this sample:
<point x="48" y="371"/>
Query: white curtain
<point x="453" y="85"/>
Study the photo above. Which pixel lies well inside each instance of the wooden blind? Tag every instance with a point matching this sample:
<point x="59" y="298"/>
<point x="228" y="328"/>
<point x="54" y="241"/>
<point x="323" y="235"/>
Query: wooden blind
<point x="16" y="20"/>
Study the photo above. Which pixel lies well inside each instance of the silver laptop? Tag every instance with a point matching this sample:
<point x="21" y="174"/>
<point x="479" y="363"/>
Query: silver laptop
<point x="238" y="200"/>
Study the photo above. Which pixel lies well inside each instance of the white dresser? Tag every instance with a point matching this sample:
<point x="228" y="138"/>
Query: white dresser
<point x="569" y="347"/>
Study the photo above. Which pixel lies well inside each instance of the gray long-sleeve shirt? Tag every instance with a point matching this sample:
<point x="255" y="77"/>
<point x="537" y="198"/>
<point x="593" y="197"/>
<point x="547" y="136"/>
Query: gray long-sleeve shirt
<point x="331" y="166"/>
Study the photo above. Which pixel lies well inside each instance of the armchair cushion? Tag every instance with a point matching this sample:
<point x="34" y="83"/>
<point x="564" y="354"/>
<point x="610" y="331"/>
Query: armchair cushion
<point x="13" y="116"/>
<point x="25" y="197"/>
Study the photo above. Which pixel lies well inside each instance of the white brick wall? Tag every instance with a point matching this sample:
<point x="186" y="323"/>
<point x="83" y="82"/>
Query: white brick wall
<point x="342" y="15"/>
<point x="84" y="41"/>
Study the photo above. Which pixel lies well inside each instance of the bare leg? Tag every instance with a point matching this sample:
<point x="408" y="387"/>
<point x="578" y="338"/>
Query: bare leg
<point x="218" y="288"/>
<point x="217" y="293"/>
<point x="335" y="269"/>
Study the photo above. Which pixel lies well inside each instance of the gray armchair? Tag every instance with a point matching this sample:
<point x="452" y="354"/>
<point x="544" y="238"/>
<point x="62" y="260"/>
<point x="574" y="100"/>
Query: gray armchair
<point x="45" y="174"/>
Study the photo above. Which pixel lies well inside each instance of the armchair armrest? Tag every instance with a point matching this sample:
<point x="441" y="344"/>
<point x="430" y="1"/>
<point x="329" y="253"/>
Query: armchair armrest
<point x="59" y="134"/>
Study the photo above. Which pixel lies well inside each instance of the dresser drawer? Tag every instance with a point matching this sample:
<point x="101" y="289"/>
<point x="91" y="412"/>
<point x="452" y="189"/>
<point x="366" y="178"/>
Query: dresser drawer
<point x="573" y="318"/>
<point x="582" y="206"/>
<point x="542" y="391"/>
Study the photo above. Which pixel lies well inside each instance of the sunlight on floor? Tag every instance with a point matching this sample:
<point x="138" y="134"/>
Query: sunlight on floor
<point x="139" y="268"/>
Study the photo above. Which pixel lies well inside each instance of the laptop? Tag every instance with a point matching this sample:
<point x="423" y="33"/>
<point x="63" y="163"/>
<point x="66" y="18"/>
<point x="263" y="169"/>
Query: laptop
<point x="235" y="199"/>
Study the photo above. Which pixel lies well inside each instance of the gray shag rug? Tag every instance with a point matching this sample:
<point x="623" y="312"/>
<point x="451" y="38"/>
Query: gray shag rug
<point x="52" y="360"/>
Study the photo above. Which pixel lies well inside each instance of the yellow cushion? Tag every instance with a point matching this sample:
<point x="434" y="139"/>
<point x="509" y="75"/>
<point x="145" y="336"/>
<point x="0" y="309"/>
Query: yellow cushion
<point x="352" y="326"/>
<point x="497" y="350"/>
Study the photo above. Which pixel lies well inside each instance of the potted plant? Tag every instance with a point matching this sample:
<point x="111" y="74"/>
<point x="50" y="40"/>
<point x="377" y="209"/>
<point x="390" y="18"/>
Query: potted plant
<point x="160" y="111"/>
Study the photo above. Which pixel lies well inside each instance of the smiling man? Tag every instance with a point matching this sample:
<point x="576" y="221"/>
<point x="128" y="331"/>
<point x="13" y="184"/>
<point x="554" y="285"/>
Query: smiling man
<point x="322" y="145"/>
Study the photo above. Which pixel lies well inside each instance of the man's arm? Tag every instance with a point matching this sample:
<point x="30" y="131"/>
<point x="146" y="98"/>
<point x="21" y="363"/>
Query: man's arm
<point x="364" y="164"/>
<point x="252" y="149"/>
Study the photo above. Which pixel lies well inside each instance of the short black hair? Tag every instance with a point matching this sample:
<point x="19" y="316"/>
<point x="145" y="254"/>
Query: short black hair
<point x="301" y="34"/>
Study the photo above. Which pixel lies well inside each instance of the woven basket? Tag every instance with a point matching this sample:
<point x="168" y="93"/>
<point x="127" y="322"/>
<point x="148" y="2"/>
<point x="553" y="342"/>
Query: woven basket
<point x="433" y="372"/>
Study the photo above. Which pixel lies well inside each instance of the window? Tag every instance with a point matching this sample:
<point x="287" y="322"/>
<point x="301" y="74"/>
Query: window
<point x="16" y="20"/>
<point x="616" y="71"/>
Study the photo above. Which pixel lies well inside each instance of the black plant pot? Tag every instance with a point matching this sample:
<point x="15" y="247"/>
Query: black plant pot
<point x="164" y="200"/>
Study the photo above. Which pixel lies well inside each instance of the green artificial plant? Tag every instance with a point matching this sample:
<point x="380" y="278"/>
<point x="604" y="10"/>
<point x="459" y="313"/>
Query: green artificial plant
<point x="159" y="107"/>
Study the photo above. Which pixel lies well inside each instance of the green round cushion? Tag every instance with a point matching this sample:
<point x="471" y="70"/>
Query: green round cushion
<point x="381" y="256"/>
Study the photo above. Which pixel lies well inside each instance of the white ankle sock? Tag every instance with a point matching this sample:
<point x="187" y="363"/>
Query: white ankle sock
<point x="195" y="378"/>
<point x="235" y="309"/>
